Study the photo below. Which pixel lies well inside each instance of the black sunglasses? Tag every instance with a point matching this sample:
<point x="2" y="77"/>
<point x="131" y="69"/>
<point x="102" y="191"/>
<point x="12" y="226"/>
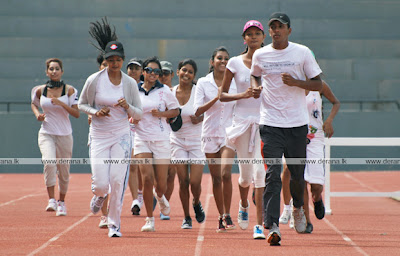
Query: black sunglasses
<point x="156" y="71"/>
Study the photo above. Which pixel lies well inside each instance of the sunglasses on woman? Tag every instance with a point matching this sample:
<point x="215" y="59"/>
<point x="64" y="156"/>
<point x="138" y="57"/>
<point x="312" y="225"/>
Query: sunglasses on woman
<point x="156" y="71"/>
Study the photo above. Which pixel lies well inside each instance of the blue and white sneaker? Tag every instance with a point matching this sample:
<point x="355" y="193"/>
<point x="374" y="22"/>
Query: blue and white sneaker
<point x="258" y="232"/>
<point x="164" y="217"/>
<point x="243" y="216"/>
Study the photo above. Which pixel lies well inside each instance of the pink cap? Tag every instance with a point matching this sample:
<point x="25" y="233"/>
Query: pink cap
<point x="253" y="23"/>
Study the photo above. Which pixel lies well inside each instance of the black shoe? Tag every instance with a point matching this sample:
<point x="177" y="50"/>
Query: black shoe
<point x="309" y="228"/>
<point x="200" y="215"/>
<point x="319" y="209"/>
<point x="187" y="223"/>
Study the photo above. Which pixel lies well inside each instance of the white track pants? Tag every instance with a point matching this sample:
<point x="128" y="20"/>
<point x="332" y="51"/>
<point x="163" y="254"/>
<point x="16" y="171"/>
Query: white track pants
<point x="110" y="176"/>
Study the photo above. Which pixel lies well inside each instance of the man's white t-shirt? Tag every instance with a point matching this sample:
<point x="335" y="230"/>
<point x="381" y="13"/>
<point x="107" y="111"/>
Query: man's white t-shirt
<point x="282" y="105"/>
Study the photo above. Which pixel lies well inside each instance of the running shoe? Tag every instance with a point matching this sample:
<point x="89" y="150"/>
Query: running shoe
<point x="103" y="222"/>
<point x="61" y="209"/>
<point x="135" y="208"/>
<point x="52" y="205"/>
<point x="149" y="226"/>
<point x="228" y="223"/>
<point x="299" y="219"/>
<point x="164" y="217"/>
<point x="243" y="216"/>
<point x="187" y="223"/>
<point x="114" y="232"/>
<point x="319" y="209"/>
<point x="221" y="226"/>
<point x="274" y="236"/>
<point x="96" y="203"/>
<point x="258" y="232"/>
<point x="309" y="228"/>
<point x="199" y="212"/>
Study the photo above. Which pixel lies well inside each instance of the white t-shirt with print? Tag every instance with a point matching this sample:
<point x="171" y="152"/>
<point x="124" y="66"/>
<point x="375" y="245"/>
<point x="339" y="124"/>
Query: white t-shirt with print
<point x="282" y="105"/>
<point x="314" y="107"/>
<point x="219" y="116"/>
<point x="152" y="128"/>
<point x="188" y="130"/>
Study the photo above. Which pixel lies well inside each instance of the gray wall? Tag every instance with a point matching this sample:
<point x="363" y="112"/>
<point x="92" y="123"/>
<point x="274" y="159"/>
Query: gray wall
<point x="355" y="42"/>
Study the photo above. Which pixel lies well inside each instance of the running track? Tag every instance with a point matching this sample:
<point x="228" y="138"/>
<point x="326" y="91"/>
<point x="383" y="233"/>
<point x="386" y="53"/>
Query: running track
<point x="358" y="226"/>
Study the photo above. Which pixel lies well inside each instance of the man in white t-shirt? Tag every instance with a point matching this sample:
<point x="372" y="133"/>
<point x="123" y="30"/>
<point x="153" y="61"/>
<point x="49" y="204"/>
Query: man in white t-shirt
<point x="281" y="72"/>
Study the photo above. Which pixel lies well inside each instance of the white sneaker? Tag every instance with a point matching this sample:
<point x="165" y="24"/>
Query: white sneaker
<point x="52" y="205"/>
<point x="135" y="208"/>
<point x="291" y="222"/>
<point x="163" y="204"/>
<point x="96" y="203"/>
<point x="285" y="217"/>
<point x="258" y="232"/>
<point x="114" y="232"/>
<point x="61" y="209"/>
<point x="243" y="216"/>
<point x="149" y="226"/>
<point x="103" y="222"/>
<point x="300" y="222"/>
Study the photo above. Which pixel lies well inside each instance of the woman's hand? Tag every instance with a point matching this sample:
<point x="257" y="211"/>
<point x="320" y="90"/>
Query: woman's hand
<point x="122" y="103"/>
<point x="195" y="119"/>
<point x="40" y="117"/>
<point x="156" y="113"/>
<point x="104" y="111"/>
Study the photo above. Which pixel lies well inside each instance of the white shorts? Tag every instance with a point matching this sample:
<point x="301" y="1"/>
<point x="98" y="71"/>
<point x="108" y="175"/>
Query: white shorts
<point x="214" y="144"/>
<point x="160" y="149"/>
<point x="186" y="148"/>
<point x="315" y="173"/>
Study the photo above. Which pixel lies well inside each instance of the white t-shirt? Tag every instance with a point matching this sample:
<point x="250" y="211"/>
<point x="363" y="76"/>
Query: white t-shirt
<point x="108" y="94"/>
<point x="57" y="118"/>
<point x="314" y="107"/>
<point x="152" y="128"/>
<point x="282" y="105"/>
<point x="219" y="116"/>
<point x="188" y="130"/>
<point x="244" y="107"/>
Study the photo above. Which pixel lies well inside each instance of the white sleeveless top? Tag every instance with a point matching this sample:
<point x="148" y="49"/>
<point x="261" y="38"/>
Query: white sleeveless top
<point x="314" y="108"/>
<point x="57" y="120"/>
<point x="188" y="130"/>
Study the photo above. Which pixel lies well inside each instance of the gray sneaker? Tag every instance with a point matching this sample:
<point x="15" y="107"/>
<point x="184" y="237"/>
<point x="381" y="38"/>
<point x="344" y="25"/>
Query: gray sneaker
<point x="299" y="219"/>
<point x="96" y="203"/>
<point x="274" y="236"/>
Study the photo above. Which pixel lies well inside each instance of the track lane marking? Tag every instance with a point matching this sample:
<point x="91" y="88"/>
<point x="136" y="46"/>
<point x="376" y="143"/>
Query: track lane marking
<point x="200" y="235"/>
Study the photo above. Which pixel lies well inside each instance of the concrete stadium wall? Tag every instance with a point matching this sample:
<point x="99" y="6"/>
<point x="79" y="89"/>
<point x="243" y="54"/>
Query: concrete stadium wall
<point x="355" y="42"/>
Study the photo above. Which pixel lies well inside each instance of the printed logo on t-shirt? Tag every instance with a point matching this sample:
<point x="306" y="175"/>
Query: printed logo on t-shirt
<point x="272" y="68"/>
<point x="311" y="132"/>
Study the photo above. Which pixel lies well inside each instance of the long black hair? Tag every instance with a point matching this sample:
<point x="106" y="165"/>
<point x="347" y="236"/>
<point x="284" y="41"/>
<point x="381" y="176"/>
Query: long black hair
<point x="102" y="32"/>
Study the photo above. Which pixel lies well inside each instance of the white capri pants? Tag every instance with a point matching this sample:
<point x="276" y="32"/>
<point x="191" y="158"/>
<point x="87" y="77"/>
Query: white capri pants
<point x="107" y="176"/>
<point x="250" y="171"/>
<point x="52" y="147"/>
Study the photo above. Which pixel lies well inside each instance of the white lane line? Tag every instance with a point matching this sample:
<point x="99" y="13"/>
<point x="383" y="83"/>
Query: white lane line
<point x="344" y="237"/>
<point x="56" y="237"/>
<point x="362" y="184"/>
<point x="19" y="199"/>
<point x="200" y="235"/>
